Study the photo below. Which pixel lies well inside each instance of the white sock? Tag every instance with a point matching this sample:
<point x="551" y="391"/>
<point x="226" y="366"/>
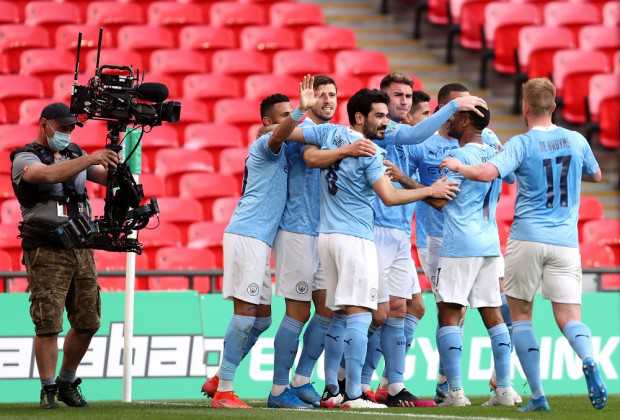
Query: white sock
<point x="341" y="373"/>
<point x="394" y="389"/>
<point x="277" y="389"/>
<point x="299" y="380"/>
<point x="224" y="386"/>
<point x="383" y="382"/>
<point x="365" y="387"/>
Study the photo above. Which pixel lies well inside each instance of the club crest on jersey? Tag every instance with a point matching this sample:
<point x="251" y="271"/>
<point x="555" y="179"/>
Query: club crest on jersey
<point x="301" y="287"/>
<point x="373" y="294"/>
<point x="252" y="289"/>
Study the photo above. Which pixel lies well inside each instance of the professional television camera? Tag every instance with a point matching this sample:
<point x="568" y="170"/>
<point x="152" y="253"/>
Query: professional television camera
<point x="119" y="97"/>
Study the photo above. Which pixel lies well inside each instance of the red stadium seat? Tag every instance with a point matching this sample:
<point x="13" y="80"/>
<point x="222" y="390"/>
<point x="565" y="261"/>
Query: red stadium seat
<point x="180" y="211"/>
<point x="174" y="14"/>
<point x="11" y="243"/>
<point x="601" y="38"/>
<point x="154" y="238"/>
<point x="236" y="15"/>
<point x="116" y="261"/>
<point x="611" y="13"/>
<point x="208" y="187"/>
<point x="91" y="136"/>
<point x="30" y="110"/>
<point x="208" y="235"/>
<point x="262" y="85"/>
<point x="15" y="88"/>
<point x="9" y="12"/>
<point x="113" y="15"/>
<point x="571" y="15"/>
<point x="213" y="137"/>
<point x="15" y="135"/>
<point x="537" y="46"/>
<point x="223" y="209"/>
<point x="115" y="57"/>
<point x="361" y="63"/>
<point x="50" y="15"/>
<point x="207" y="39"/>
<point x="296" y="15"/>
<point x="205" y="136"/>
<point x="240" y="62"/>
<point x="268" y="39"/>
<point x="505" y="210"/>
<point x="341" y="113"/>
<point x="179" y="258"/>
<point x="10" y="212"/>
<point x="328" y="39"/>
<point x="178" y="62"/>
<point x="6" y="188"/>
<point x="172" y="163"/>
<point x="240" y="112"/>
<point x="469" y="15"/>
<point x="46" y="64"/>
<point x="232" y="162"/>
<point x="153" y="185"/>
<point x="572" y="70"/>
<point x="210" y="87"/>
<point x="610" y="282"/>
<point x="346" y="86"/>
<point x="3" y="116"/>
<point x="145" y="39"/>
<point x="67" y="37"/>
<point x="593" y="255"/>
<point x="502" y="24"/>
<point x="62" y="86"/>
<point x="299" y="63"/>
<point x="161" y="137"/>
<point x="590" y="208"/>
<point x="16" y="38"/>
<point x="438" y="12"/>
<point x="604" y="106"/>
<point x="603" y="232"/>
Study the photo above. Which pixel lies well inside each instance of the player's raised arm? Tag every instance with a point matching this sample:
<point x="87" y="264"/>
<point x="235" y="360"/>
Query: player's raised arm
<point x="288" y="129"/>
<point x="391" y="196"/>
<point x="317" y="158"/>
<point x="407" y="134"/>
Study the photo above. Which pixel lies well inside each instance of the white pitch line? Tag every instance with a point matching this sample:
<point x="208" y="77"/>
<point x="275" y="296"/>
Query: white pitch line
<point x="352" y="412"/>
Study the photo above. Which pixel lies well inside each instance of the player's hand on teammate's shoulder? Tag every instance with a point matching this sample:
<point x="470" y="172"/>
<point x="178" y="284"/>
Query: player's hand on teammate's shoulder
<point x="266" y="129"/>
<point x="451" y="164"/>
<point x="361" y="148"/>
<point x="393" y="171"/>
<point x="307" y="99"/>
<point x="470" y="102"/>
<point x="444" y="188"/>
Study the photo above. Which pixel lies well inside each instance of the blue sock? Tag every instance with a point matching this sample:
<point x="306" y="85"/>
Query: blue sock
<point x="525" y="344"/>
<point x="441" y="369"/>
<point x="393" y="344"/>
<point x="411" y="323"/>
<point x="285" y="347"/>
<point x="314" y="341"/>
<point x="506" y="313"/>
<point x="500" y="343"/>
<point x="355" y="343"/>
<point x="580" y="338"/>
<point x="450" y="343"/>
<point x="334" y="348"/>
<point x="373" y="354"/>
<point x="235" y="344"/>
<point x="261" y="323"/>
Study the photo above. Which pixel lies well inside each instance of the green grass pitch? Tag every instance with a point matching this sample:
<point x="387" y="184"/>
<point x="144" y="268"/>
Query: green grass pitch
<point x="562" y="408"/>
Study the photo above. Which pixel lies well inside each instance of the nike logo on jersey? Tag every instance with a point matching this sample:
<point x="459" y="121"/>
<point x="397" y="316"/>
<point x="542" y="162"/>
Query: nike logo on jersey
<point x="582" y="335"/>
<point x="533" y="349"/>
<point x="348" y="341"/>
<point x="456" y="348"/>
<point x="504" y="344"/>
<point x="332" y="337"/>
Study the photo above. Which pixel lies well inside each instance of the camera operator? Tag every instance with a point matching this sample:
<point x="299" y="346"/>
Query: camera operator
<point x="49" y="177"/>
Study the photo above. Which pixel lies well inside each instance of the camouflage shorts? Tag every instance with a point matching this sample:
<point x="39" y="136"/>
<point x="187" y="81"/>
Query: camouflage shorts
<point x="62" y="278"/>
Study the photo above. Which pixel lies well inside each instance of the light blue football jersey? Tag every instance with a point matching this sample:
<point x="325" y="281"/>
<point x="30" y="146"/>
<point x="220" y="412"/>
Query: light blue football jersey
<point x="395" y="217"/>
<point x="469" y="226"/>
<point x="346" y="186"/>
<point x="301" y="214"/>
<point x="263" y="194"/>
<point x="549" y="164"/>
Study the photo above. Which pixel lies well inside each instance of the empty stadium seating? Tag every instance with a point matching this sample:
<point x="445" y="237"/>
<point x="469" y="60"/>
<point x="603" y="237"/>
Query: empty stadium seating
<point x="604" y="108"/>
